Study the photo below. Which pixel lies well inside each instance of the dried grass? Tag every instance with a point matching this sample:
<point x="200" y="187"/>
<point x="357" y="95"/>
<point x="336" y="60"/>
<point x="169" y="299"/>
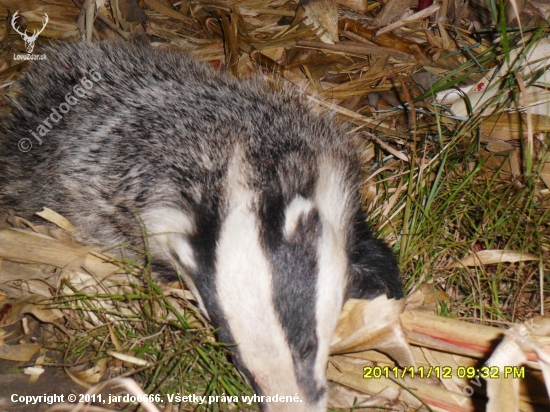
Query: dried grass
<point x="452" y="104"/>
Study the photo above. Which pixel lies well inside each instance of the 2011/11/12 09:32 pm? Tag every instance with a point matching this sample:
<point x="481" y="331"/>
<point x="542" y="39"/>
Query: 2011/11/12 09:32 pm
<point x="443" y="372"/>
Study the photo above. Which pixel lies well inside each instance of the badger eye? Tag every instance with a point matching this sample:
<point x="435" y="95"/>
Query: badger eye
<point x="309" y="348"/>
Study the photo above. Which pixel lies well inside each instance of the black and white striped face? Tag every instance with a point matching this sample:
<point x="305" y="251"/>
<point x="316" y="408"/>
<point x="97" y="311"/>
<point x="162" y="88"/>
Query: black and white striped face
<point x="271" y="262"/>
<point x="279" y="269"/>
<point x="281" y="274"/>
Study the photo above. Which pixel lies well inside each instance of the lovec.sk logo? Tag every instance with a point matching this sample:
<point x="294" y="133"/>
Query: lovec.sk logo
<point x="29" y="40"/>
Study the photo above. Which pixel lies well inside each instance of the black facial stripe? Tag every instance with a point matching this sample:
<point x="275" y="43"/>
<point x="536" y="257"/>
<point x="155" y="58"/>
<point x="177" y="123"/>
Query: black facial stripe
<point x="203" y="243"/>
<point x="208" y="222"/>
<point x="293" y="263"/>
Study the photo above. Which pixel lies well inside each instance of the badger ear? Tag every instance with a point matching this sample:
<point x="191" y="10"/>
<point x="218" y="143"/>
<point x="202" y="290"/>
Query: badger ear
<point x="168" y="232"/>
<point x="164" y="271"/>
<point x="373" y="268"/>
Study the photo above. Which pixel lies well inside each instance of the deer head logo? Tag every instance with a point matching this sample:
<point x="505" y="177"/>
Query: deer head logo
<point x="29" y="40"/>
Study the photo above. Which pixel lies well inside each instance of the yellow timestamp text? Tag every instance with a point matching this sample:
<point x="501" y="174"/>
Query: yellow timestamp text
<point x="443" y="372"/>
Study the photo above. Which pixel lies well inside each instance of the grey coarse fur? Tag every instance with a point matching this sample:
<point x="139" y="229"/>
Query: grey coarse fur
<point x="157" y="131"/>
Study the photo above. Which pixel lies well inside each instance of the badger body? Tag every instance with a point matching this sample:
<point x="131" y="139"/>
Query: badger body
<point x="248" y="194"/>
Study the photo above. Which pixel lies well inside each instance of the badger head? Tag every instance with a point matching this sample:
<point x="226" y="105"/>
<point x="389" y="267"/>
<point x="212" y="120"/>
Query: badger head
<point x="271" y="266"/>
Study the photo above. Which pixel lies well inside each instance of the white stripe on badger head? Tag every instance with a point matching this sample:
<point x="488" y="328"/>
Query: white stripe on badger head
<point x="168" y="230"/>
<point x="244" y="288"/>
<point x="298" y="208"/>
<point x="332" y="196"/>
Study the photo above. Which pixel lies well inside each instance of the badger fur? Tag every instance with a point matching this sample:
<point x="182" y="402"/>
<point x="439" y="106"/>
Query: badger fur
<point x="247" y="193"/>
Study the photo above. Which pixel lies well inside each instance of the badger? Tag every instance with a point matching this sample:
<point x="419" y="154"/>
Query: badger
<point x="248" y="194"/>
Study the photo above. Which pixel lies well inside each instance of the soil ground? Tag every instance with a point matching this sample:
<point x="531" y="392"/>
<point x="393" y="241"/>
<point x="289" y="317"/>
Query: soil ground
<point x="13" y="381"/>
